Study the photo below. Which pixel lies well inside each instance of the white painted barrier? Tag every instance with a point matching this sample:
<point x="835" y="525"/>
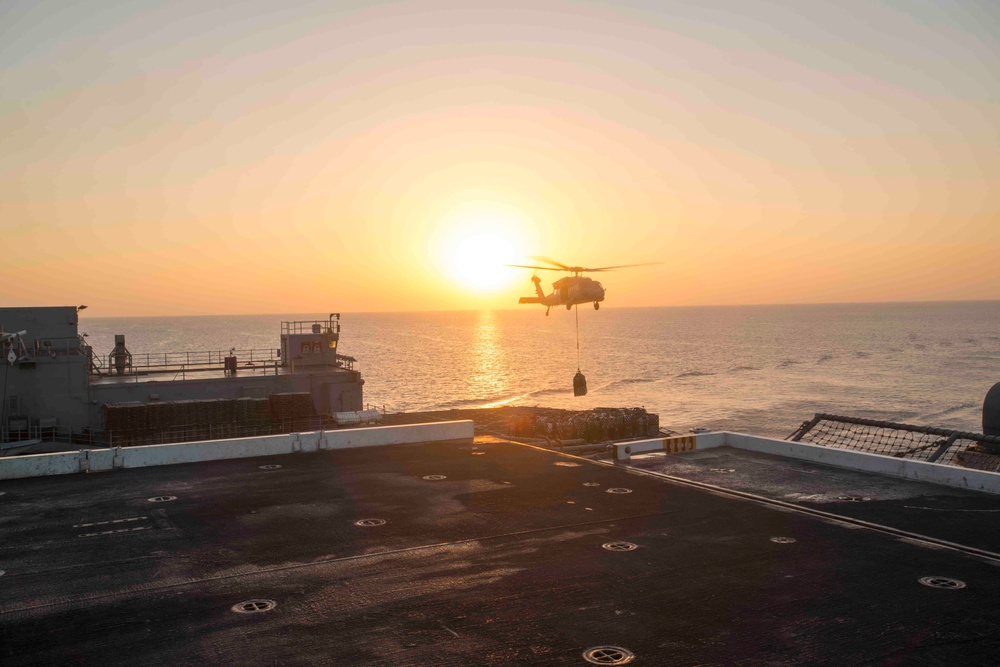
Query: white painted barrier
<point x="934" y="473"/>
<point x="92" y="460"/>
<point x="40" y="465"/>
<point x="674" y="444"/>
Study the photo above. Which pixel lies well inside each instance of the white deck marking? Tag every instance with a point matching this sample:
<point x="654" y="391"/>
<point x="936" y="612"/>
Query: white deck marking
<point x="112" y="532"/>
<point x="105" y="523"/>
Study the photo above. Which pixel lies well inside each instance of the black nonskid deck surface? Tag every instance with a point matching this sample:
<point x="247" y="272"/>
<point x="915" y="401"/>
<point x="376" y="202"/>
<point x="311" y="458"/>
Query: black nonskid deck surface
<point x="969" y="518"/>
<point x="499" y="563"/>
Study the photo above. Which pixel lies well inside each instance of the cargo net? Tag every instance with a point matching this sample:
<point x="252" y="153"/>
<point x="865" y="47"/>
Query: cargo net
<point x="905" y="441"/>
<point x="597" y="425"/>
<point x="131" y="424"/>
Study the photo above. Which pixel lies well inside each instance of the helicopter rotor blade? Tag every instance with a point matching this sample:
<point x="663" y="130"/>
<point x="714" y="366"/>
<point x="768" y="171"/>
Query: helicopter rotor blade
<point x="547" y="260"/>
<point x="620" y="266"/>
<point x="543" y="268"/>
<point x="576" y="269"/>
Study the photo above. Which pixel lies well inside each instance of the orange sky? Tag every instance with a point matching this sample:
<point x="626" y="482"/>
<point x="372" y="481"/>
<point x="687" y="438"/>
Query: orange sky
<point x="200" y="158"/>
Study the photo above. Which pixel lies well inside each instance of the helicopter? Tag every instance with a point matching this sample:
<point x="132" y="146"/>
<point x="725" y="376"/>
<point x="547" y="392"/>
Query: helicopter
<point x="571" y="290"/>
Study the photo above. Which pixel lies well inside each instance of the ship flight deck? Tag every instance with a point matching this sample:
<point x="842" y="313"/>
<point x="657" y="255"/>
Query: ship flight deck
<point x="491" y="553"/>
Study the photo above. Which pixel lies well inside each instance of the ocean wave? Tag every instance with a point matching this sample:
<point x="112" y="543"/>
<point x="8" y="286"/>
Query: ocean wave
<point x="739" y="369"/>
<point x="862" y="355"/>
<point x="693" y="374"/>
<point x="497" y="401"/>
<point x="788" y="362"/>
<point x="475" y="402"/>
<point x="548" y="392"/>
<point x="615" y="384"/>
<point x="825" y="358"/>
<point x="949" y="411"/>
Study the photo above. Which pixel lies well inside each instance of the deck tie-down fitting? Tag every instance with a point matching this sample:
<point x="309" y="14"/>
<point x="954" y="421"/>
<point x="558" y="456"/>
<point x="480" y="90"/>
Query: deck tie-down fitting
<point x="85" y="460"/>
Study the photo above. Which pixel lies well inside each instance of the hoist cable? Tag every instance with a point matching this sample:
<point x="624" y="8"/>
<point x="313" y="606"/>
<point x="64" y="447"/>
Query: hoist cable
<point x="577" y="309"/>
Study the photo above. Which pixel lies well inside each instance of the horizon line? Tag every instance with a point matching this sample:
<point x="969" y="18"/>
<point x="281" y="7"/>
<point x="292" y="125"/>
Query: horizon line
<point x="514" y="309"/>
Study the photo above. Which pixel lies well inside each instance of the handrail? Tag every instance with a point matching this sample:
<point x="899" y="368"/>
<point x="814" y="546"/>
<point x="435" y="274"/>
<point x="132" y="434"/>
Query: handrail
<point x="199" y="358"/>
<point x="50" y="347"/>
<point x="330" y="325"/>
<point x="56" y="434"/>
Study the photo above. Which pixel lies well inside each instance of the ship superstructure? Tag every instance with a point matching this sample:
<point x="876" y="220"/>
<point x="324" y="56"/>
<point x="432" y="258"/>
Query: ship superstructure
<point x="57" y="388"/>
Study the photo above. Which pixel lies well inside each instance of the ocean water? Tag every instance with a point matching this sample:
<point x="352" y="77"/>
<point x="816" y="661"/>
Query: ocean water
<point x="757" y="369"/>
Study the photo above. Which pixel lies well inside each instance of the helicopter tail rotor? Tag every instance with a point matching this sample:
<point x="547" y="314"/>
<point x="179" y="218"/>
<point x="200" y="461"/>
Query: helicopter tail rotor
<point x="538" y="287"/>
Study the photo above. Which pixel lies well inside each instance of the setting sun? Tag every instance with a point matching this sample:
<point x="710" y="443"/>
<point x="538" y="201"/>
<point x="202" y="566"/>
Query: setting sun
<point x="480" y="261"/>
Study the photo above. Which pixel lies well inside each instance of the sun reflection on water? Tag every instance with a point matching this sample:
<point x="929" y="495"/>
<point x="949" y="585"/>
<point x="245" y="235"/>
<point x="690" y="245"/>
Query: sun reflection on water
<point x="490" y="375"/>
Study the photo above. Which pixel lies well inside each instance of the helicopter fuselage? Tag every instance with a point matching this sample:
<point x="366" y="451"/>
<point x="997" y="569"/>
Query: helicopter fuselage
<point x="573" y="290"/>
<point x="569" y="291"/>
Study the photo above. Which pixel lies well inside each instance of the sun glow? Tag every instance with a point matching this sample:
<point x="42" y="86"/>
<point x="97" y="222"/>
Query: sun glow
<point x="480" y="261"/>
<point x="477" y="240"/>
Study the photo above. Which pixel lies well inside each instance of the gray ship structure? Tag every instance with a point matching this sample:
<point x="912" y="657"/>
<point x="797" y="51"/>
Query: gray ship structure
<point x="58" y="389"/>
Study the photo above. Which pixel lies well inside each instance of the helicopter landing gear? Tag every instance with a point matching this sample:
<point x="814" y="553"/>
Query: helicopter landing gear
<point x="546" y="311"/>
<point x="569" y="306"/>
<point x="597" y="306"/>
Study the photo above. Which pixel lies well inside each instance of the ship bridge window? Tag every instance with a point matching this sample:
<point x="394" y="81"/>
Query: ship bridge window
<point x="332" y="344"/>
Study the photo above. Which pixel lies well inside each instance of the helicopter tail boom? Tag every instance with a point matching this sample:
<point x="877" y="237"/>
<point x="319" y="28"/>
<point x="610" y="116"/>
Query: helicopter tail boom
<point x="529" y="299"/>
<point x="538" y="288"/>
